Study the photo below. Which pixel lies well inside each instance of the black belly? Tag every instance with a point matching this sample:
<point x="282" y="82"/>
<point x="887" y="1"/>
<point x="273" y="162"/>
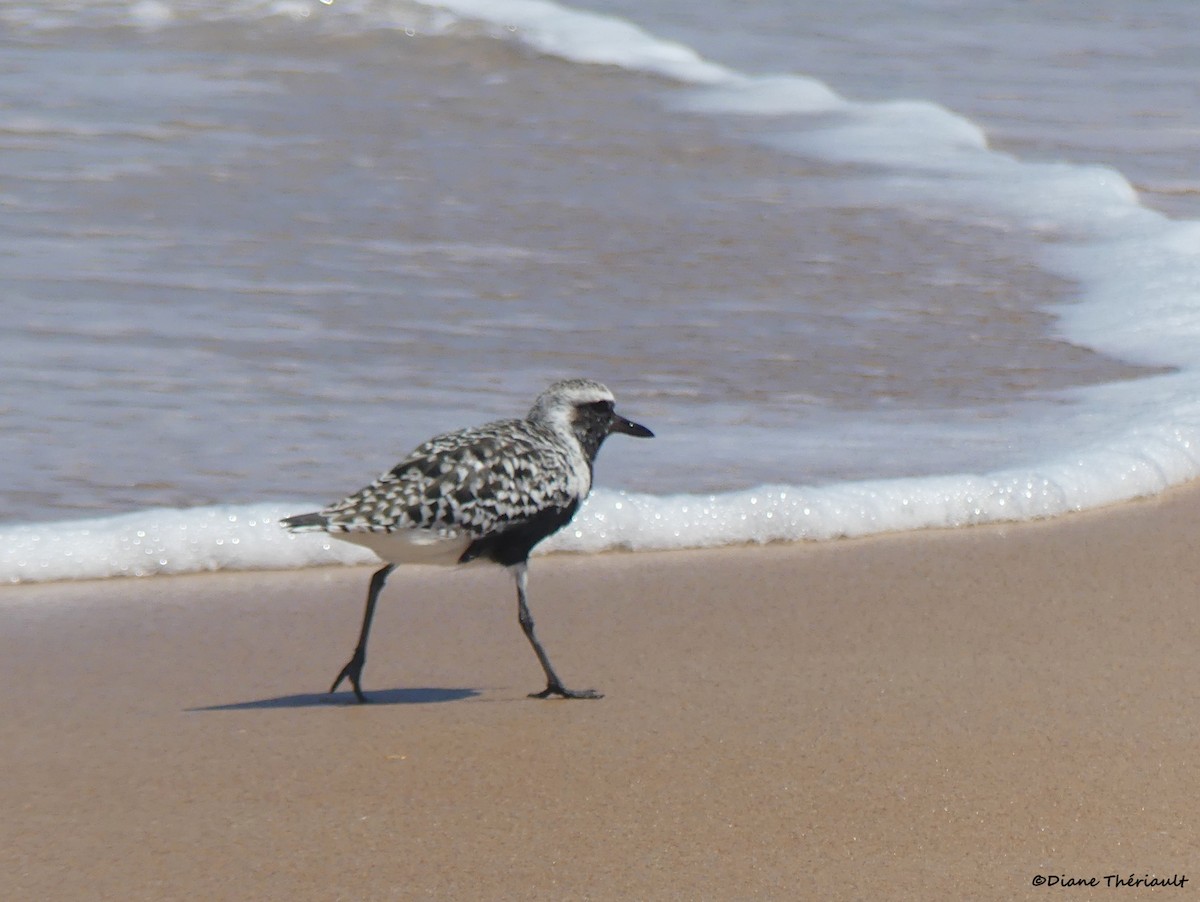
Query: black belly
<point x="512" y="545"/>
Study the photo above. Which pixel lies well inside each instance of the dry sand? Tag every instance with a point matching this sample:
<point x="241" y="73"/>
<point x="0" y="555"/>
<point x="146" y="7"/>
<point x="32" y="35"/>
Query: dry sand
<point x="943" y="715"/>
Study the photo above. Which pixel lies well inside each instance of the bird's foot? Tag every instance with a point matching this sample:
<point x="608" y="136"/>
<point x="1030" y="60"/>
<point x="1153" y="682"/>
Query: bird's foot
<point x="561" y="691"/>
<point x="353" y="672"/>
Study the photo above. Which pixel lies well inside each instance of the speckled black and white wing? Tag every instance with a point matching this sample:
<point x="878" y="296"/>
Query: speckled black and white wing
<point x="473" y="481"/>
<point x="457" y="490"/>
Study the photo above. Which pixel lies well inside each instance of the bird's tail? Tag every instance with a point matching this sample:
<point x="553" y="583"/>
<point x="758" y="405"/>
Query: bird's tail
<point x="305" y="522"/>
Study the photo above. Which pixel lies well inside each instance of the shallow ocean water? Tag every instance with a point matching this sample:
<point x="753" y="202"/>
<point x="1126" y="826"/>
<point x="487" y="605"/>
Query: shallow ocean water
<point x="256" y="252"/>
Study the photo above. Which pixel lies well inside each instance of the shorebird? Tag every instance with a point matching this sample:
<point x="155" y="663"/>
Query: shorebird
<point x="486" y="493"/>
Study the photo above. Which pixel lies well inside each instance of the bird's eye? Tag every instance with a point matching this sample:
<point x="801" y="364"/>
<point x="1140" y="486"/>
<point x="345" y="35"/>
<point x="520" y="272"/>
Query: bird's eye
<point x="600" y="406"/>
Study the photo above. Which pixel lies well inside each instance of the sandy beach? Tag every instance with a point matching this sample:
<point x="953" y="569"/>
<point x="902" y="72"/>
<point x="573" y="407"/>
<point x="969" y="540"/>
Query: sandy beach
<point x="919" y="716"/>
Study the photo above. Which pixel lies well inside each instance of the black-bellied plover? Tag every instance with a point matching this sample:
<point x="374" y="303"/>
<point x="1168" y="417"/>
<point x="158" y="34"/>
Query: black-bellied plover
<point x="491" y="492"/>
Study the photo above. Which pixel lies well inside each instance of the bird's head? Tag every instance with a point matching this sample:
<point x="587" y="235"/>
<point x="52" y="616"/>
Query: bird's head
<point x="585" y="409"/>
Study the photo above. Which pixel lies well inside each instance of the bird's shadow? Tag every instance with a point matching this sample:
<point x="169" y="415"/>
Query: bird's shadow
<point x="424" y="695"/>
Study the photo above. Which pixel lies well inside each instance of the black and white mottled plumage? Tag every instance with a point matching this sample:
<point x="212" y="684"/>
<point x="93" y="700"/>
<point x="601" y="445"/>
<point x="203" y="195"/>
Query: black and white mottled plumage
<point x="491" y="492"/>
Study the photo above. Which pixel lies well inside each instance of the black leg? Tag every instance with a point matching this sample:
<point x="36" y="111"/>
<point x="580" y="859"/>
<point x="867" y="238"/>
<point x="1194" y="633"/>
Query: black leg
<point x="553" y="685"/>
<point x="353" y="668"/>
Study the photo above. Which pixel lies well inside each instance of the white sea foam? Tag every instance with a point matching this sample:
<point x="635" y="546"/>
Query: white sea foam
<point x="1149" y="459"/>
<point x="591" y="38"/>
<point x="163" y="540"/>
<point x="773" y="95"/>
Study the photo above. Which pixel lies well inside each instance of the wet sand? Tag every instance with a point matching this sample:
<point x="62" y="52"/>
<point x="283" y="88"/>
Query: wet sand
<point x="919" y="716"/>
